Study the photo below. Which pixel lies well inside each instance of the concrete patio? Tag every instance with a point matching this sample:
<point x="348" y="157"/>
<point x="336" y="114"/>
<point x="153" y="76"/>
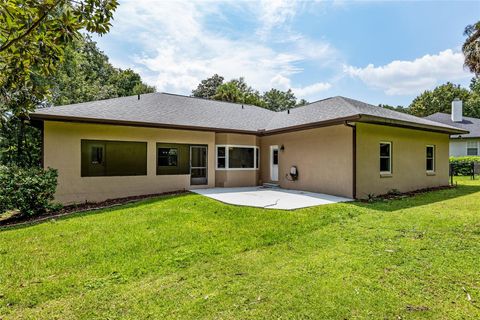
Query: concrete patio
<point x="270" y="198"/>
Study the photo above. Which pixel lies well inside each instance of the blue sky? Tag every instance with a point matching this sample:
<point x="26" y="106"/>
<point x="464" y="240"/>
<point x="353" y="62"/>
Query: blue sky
<point x="379" y="52"/>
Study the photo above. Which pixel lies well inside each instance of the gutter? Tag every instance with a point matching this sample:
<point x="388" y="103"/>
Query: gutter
<point x="410" y="125"/>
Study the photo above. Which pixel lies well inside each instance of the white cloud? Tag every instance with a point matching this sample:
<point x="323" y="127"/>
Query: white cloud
<point x="180" y="46"/>
<point x="412" y="77"/>
<point x="311" y="90"/>
<point x="273" y="13"/>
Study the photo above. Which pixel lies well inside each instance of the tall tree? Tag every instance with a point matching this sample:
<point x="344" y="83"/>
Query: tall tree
<point x="208" y="88"/>
<point x="237" y="90"/>
<point x="86" y="75"/>
<point x="440" y="100"/>
<point x="277" y="100"/>
<point x="471" y="48"/>
<point x="33" y="36"/>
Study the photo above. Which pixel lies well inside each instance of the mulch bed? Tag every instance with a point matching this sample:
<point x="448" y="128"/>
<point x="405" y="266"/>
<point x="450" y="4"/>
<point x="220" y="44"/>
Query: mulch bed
<point x="392" y="196"/>
<point x="16" y="219"/>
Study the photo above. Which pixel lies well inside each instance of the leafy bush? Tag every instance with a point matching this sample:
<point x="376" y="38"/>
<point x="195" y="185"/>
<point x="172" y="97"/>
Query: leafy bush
<point x="463" y="165"/>
<point x="29" y="190"/>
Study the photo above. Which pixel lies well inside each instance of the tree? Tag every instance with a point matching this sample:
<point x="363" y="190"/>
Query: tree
<point x="33" y="36"/>
<point x="397" y="108"/>
<point x="208" y="88"/>
<point x="471" y="48"/>
<point x="440" y="100"/>
<point x="237" y="90"/>
<point x="86" y="75"/>
<point x="277" y="100"/>
<point x="302" y="102"/>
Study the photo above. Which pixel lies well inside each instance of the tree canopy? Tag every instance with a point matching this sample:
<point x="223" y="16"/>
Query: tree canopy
<point x="440" y="100"/>
<point x="86" y="75"/>
<point x="471" y="48"/>
<point x="237" y="90"/>
<point x="33" y="36"/>
<point x="208" y="88"/>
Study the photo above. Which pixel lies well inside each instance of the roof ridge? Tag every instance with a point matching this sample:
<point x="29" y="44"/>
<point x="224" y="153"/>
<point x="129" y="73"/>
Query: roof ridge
<point x="207" y="99"/>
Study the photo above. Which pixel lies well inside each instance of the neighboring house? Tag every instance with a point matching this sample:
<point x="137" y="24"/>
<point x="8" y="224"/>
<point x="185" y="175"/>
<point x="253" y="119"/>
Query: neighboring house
<point x="163" y="142"/>
<point x="464" y="144"/>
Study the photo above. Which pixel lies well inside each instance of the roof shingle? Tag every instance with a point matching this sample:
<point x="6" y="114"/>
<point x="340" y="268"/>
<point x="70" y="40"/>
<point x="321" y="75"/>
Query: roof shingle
<point x="182" y="111"/>
<point x="470" y="124"/>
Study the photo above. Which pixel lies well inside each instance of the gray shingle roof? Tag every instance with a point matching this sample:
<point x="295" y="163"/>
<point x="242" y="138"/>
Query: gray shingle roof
<point x="163" y="109"/>
<point x="469" y="124"/>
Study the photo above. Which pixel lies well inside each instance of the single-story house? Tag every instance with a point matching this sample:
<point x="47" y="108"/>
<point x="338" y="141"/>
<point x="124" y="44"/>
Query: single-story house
<point x="163" y="142"/>
<point x="464" y="144"/>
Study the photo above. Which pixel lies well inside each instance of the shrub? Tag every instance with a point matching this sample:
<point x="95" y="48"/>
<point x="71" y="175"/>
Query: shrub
<point x="29" y="190"/>
<point x="463" y="165"/>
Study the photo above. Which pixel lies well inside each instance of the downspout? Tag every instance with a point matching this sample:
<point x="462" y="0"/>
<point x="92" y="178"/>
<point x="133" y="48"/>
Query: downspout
<point x="354" y="158"/>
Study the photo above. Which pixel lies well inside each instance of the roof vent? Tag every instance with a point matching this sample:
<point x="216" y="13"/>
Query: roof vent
<point x="242" y="106"/>
<point x="138" y="97"/>
<point x="457" y="110"/>
<point x="288" y="111"/>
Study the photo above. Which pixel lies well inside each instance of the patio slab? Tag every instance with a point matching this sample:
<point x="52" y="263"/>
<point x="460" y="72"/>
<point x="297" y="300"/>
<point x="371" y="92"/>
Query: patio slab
<point x="270" y="198"/>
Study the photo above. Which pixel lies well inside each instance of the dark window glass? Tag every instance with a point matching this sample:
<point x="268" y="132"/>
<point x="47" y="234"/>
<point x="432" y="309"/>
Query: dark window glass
<point x="430" y="162"/>
<point x="113" y="158"/>
<point x="173" y="158"/>
<point x="167" y="157"/>
<point x="258" y="157"/>
<point x="97" y="155"/>
<point x="275" y="156"/>
<point x="385" y="157"/>
<point x="221" y="162"/>
<point x="221" y="151"/>
<point x="240" y="157"/>
<point x="472" y="151"/>
<point x="384" y="150"/>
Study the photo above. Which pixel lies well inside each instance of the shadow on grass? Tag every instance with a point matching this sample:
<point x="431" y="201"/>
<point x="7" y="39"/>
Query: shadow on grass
<point x="89" y="212"/>
<point x="420" y="199"/>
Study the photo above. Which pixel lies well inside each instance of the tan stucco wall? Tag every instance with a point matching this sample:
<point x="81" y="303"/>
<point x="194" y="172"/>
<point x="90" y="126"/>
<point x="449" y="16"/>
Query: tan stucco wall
<point x="408" y="159"/>
<point x="62" y="152"/>
<point x="323" y="157"/>
<point x="236" y="178"/>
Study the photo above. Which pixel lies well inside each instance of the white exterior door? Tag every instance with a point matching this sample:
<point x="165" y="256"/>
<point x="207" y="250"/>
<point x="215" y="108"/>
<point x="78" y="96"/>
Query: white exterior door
<point x="274" y="163"/>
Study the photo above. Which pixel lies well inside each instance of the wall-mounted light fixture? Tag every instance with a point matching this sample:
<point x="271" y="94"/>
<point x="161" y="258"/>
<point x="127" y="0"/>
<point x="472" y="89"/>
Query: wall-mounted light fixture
<point x="282" y="148"/>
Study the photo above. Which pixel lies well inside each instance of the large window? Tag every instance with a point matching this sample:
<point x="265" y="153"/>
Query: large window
<point x="472" y="148"/>
<point x="385" y="157"/>
<point x="113" y="158"/>
<point x="430" y="158"/>
<point x="173" y="158"/>
<point x="234" y="157"/>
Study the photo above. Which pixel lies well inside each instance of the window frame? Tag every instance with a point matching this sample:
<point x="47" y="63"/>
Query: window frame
<point x="256" y="157"/>
<point x="467" y="148"/>
<point x="433" y="158"/>
<point x="87" y="144"/>
<point x="390" y="156"/>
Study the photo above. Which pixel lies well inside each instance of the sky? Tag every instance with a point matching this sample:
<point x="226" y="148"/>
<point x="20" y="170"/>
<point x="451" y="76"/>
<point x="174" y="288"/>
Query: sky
<point x="381" y="52"/>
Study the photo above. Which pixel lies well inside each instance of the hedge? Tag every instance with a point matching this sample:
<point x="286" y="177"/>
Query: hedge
<point x="463" y="165"/>
<point x="29" y="190"/>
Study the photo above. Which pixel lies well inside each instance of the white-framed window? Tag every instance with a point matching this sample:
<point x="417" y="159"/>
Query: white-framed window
<point x="237" y="157"/>
<point x="430" y="158"/>
<point x="472" y="148"/>
<point x="385" y="157"/>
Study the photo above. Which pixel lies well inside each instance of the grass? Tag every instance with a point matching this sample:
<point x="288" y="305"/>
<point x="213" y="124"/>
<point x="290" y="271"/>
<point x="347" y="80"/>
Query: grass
<point x="191" y="257"/>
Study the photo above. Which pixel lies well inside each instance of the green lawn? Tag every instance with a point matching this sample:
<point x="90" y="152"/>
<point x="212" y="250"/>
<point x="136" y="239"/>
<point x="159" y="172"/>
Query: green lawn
<point x="191" y="257"/>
